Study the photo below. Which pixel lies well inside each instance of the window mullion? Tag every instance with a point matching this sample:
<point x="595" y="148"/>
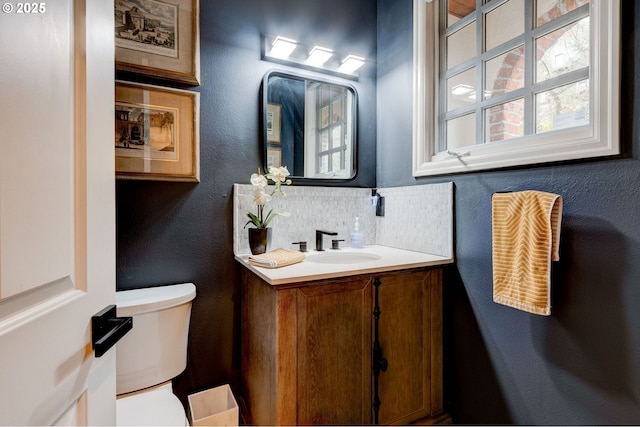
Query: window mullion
<point x="529" y="65"/>
<point x="318" y="129"/>
<point x="480" y="73"/>
<point x="442" y="89"/>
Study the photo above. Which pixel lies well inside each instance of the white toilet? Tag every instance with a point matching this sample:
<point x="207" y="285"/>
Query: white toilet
<point x="152" y="353"/>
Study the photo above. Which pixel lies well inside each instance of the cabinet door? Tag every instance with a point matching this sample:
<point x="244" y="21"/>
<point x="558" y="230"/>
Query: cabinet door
<point x="410" y="335"/>
<point x="334" y="353"/>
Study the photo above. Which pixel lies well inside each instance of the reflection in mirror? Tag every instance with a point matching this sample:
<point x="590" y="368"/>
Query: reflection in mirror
<point x="309" y="126"/>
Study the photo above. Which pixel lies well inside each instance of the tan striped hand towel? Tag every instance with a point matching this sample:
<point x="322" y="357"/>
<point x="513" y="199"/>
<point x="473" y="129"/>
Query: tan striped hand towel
<point x="526" y="237"/>
<point x="276" y="258"/>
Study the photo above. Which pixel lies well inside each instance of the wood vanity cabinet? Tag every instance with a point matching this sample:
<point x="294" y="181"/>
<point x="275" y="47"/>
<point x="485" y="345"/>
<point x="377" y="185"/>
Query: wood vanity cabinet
<point x="307" y="349"/>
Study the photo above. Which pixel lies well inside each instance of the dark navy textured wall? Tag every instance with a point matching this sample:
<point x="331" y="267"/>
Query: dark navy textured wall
<point x="581" y="365"/>
<point x="176" y="232"/>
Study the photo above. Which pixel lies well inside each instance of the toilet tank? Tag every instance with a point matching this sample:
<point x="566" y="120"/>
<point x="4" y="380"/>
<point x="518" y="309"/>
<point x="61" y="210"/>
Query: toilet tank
<point x="155" y="350"/>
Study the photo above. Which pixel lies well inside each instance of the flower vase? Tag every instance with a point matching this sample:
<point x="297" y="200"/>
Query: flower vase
<point x="259" y="240"/>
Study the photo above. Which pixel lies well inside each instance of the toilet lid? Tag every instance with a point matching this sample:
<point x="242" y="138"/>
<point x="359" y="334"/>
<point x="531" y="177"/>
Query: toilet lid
<point x="144" y="300"/>
<point x="157" y="407"/>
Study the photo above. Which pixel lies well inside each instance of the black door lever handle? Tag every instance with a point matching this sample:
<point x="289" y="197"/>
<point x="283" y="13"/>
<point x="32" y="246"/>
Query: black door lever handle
<point x="107" y="329"/>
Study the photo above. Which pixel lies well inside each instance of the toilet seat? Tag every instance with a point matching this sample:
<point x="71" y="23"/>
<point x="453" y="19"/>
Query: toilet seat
<point x="156" y="407"/>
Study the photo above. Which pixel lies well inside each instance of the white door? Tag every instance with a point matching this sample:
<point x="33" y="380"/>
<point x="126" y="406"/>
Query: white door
<point x="57" y="203"/>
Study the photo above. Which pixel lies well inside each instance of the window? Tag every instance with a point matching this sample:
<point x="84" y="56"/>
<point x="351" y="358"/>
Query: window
<point x="502" y="83"/>
<point x="331" y="108"/>
<point x="331" y="128"/>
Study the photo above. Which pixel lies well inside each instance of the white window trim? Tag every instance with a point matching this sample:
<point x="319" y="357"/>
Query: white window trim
<point x="599" y="139"/>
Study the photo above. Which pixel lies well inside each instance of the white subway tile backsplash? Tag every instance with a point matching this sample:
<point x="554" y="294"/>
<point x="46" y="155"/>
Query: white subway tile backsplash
<point x="418" y="218"/>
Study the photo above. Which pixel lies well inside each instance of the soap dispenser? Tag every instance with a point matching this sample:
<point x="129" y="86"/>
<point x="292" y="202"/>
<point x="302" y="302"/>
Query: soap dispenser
<point x="357" y="238"/>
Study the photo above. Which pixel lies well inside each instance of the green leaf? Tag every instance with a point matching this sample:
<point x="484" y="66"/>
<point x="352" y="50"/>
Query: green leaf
<point x="253" y="219"/>
<point x="272" y="215"/>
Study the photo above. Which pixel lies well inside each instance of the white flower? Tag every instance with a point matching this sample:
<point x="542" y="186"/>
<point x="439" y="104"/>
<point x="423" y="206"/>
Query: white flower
<point x="260" y="197"/>
<point x="259" y="180"/>
<point x="279" y="174"/>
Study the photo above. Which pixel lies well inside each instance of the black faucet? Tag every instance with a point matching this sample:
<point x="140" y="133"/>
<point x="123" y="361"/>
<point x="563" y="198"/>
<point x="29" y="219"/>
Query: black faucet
<point x="319" y="237"/>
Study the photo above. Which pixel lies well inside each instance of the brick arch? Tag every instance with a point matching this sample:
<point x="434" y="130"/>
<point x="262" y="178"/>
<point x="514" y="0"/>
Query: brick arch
<point x="504" y="120"/>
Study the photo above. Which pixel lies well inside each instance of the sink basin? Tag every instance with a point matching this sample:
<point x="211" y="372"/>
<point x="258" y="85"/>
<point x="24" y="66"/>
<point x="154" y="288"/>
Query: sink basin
<point x="342" y="257"/>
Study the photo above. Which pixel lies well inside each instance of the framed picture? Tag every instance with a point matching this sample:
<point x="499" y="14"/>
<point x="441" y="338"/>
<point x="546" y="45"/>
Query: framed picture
<point x="274" y="157"/>
<point x="274" y="113"/>
<point x="158" y="39"/>
<point x="157" y="135"/>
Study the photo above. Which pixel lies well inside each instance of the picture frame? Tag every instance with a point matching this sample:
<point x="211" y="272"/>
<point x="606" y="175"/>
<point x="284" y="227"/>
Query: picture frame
<point x="157" y="133"/>
<point x="274" y="157"/>
<point x="158" y="39"/>
<point x="273" y="122"/>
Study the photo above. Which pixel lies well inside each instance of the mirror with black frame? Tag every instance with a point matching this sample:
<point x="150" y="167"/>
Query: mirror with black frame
<point x="309" y="126"/>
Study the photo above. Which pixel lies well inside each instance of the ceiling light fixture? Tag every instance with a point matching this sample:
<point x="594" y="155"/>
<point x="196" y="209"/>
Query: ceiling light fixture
<point x="301" y="54"/>
<point x="351" y="63"/>
<point x="462" y="89"/>
<point x="319" y="55"/>
<point x="282" y="47"/>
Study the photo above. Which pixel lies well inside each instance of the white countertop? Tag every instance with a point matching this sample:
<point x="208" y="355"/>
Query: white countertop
<point x="390" y="259"/>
